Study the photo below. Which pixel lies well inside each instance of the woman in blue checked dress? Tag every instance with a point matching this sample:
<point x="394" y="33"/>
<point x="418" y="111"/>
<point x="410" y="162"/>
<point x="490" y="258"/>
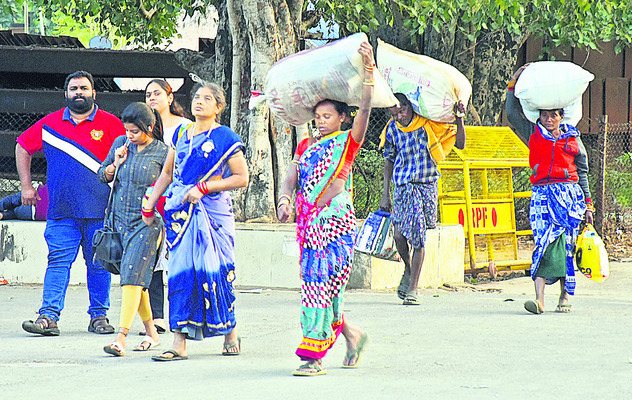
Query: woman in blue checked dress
<point x="140" y="155"/>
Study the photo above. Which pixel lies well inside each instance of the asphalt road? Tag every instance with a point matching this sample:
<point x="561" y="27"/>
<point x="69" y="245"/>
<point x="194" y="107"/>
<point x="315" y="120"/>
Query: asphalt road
<point x="473" y="343"/>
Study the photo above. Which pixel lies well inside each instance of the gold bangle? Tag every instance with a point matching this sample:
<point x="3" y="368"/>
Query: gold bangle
<point x="285" y="196"/>
<point x="368" y="83"/>
<point x="283" y="204"/>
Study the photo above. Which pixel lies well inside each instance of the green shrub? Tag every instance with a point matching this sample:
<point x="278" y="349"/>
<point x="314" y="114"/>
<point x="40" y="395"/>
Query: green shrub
<point x="619" y="180"/>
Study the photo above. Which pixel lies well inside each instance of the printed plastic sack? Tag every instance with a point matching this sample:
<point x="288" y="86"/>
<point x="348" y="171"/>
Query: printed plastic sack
<point x="591" y="256"/>
<point x="376" y="237"/>
<point x="547" y="85"/>
<point x="295" y="84"/>
<point x="433" y="87"/>
<point x="572" y="113"/>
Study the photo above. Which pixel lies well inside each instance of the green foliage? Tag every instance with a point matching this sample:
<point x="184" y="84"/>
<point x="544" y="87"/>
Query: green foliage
<point x="368" y="174"/>
<point x="64" y="24"/>
<point x="148" y="23"/>
<point x="563" y="22"/>
<point x="12" y="13"/>
<point x="619" y="180"/>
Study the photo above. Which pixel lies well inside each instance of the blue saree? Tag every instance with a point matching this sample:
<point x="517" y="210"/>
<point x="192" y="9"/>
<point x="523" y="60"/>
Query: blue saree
<point x="200" y="238"/>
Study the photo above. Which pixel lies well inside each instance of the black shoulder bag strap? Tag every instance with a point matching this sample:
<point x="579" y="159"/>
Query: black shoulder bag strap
<point x="109" y="208"/>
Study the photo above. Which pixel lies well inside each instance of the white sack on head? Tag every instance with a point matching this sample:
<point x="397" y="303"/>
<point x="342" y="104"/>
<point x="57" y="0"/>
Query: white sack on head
<point x="572" y="113"/>
<point x="432" y="86"/>
<point x="547" y="85"/>
<point x="295" y="84"/>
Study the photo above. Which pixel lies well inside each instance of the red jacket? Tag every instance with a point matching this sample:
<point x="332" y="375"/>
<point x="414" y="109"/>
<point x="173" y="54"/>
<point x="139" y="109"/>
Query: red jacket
<point x="552" y="161"/>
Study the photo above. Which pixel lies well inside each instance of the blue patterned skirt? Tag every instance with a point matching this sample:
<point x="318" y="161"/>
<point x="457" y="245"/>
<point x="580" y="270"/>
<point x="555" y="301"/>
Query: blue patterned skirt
<point x="555" y="209"/>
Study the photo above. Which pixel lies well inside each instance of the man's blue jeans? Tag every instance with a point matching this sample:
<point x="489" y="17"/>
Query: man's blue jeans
<point x="64" y="236"/>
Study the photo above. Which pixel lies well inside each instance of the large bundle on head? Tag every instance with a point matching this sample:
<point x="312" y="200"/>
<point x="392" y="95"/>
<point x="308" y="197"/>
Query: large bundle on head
<point x="549" y="85"/>
<point x="295" y="84"/>
<point x="433" y="87"/>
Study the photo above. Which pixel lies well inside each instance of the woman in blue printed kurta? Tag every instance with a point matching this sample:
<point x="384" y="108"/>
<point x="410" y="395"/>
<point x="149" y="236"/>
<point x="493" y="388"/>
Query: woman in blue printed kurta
<point x="207" y="163"/>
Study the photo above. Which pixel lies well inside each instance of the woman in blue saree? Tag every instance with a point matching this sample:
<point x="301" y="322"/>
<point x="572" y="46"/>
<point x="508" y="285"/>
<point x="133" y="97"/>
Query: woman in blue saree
<point x="326" y="225"/>
<point x="207" y="163"/>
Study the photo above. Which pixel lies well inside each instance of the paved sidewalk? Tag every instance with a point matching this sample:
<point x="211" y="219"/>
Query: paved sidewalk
<point x="474" y="343"/>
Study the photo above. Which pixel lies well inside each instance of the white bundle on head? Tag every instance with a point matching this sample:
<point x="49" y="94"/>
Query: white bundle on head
<point x="549" y="85"/>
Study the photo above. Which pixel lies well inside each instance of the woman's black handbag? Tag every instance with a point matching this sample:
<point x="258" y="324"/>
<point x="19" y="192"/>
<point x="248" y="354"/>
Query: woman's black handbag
<point x="106" y="242"/>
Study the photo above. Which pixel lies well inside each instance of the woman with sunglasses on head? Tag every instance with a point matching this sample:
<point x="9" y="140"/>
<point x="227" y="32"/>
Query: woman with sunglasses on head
<point x="206" y="164"/>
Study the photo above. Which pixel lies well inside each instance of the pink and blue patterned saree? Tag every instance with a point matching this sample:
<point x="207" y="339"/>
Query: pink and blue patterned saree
<point x="326" y="236"/>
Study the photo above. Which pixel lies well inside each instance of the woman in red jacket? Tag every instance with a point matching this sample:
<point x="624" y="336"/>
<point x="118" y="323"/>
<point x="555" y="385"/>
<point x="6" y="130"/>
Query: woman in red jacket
<point x="560" y="197"/>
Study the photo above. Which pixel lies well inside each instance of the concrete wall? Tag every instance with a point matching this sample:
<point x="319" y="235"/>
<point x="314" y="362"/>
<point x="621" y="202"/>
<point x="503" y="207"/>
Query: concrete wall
<point x="266" y="256"/>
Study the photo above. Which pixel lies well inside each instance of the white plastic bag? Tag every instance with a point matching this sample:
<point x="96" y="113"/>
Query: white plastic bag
<point x="295" y="84"/>
<point x="376" y="237"/>
<point x="547" y="85"/>
<point x="433" y="87"/>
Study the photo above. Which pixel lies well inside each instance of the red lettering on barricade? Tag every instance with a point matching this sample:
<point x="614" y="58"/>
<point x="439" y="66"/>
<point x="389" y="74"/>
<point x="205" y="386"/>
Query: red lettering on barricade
<point x="479" y="216"/>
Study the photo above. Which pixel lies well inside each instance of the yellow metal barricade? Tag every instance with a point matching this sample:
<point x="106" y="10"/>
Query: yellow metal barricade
<point x="476" y="190"/>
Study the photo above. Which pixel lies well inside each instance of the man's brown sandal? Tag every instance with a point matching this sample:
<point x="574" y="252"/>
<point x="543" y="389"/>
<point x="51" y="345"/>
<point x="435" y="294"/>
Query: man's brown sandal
<point x="100" y="325"/>
<point x="43" y="325"/>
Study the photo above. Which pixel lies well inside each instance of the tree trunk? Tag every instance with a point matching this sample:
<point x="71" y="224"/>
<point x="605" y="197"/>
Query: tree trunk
<point x="273" y="28"/>
<point x="494" y="56"/>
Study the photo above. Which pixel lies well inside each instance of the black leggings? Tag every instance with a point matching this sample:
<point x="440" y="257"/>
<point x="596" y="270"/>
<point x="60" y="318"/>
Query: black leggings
<point x="157" y="295"/>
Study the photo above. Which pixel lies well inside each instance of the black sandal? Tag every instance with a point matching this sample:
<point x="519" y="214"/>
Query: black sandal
<point x="100" y="325"/>
<point x="402" y="289"/>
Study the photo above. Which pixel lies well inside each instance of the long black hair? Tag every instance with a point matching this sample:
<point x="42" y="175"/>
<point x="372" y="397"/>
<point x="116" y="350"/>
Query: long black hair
<point x="143" y="116"/>
<point x="174" y="107"/>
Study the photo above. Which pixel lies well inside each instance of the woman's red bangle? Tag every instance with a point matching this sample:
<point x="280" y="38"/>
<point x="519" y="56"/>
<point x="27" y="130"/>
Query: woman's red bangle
<point x="202" y="187"/>
<point x="147" y="212"/>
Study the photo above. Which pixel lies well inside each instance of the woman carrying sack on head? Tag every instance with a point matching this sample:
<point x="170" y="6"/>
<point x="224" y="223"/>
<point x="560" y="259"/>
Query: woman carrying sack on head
<point x="207" y="163"/>
<point x="560" y="197"/>
<point x="324" y="202"/>
<point x="140" y="156"/>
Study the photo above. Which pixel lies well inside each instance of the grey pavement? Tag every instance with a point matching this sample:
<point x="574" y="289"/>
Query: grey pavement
<point x="473" y="343"/>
